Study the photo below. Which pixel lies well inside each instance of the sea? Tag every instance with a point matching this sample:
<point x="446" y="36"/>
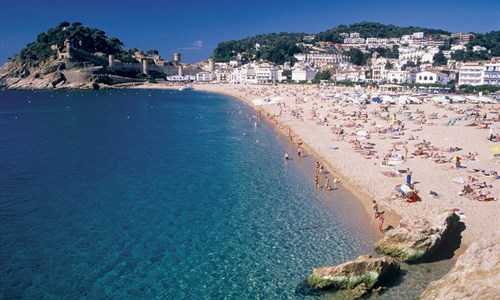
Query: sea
<point x="163" y="194"/>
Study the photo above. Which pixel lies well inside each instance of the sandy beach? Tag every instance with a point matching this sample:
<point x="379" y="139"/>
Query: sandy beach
<point x="371" y="147"/>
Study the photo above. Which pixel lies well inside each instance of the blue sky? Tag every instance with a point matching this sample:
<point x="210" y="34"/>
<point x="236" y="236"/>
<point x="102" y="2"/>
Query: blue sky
<point x="195" y="27"/>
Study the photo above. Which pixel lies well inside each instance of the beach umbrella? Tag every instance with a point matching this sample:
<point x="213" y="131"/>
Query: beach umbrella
<point x="495" y="148"/>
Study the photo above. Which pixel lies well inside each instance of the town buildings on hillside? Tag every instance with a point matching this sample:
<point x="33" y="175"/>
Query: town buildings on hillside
<point x="413" y="65"/>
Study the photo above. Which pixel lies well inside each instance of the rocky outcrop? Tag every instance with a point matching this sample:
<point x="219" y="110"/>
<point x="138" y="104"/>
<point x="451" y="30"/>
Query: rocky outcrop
<point x="360" y="275"/>
<point x="476" y="274"/>
<point x="415" y="239"/>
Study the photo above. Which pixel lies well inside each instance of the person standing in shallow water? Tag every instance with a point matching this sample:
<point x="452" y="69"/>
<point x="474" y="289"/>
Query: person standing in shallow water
<point x="316" y="181"/>
<point x="381" y="222"/>
<point x="375" y="208"/>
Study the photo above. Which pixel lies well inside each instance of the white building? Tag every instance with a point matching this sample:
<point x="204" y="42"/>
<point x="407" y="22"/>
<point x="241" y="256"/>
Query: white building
<point x="244" y="74"/>
<point x="479" y="73"/>
<point x="471" y="73"/>
<point x="301" y="72"/>
<point x="432" y="77"/>
<point x="355" y="75"/>
<point x="491" y="73"/>
<point x="266" y="73"/>
<point x="378" y="66"/>
<point x="205" y="77"/>
<point x="418" y="35"/>
<point x="181" y="78"/>
<point x="397" y="76"/>
<point x="321" y="60"/>
<point x="352" y="40"/>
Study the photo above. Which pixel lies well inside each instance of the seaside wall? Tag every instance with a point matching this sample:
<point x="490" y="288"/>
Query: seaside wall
<point x="98" y="60"/>
<point x="80" y="75"/>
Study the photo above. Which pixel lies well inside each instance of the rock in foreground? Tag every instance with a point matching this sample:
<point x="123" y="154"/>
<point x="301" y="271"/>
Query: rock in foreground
<point x="476" y="274"/>
<point x="415" y="239"/>
<point x="362" y="274"/>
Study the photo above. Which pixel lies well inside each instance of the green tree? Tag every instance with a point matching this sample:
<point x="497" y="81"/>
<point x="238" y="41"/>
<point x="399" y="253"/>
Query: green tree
<point x="356" y="56"/>
<point x="388" y="65"/>
<point x="325" y="75"/>
<point x="440" y="59"/>
<point x="459" y="55"/>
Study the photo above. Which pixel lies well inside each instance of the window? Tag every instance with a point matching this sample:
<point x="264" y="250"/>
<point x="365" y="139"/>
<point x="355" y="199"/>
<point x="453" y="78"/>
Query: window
<point x="425" y="77"/>
<point x="430" y="78"/>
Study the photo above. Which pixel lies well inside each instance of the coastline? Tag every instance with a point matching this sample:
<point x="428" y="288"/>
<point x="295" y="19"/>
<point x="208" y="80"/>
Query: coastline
<point x="362" y="175"/>
<point x="392" y="218"/>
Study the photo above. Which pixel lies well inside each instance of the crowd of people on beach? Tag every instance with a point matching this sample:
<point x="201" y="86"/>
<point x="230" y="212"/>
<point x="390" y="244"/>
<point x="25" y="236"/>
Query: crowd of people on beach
<point x="370" y="128"/>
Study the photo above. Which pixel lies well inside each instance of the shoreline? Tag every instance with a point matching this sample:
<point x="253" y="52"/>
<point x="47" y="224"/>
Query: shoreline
<point x="360" y="173"/>
<point x="362" y="177"/>
<point x="392" y="218"/>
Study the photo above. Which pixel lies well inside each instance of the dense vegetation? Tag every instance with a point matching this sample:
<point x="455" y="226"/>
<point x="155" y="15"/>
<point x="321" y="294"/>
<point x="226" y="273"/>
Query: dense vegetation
<point x="84" y="38"/>
<point x="370" y="29"/>
<point x="277" y="48"/>
<point x="473" y="89"/>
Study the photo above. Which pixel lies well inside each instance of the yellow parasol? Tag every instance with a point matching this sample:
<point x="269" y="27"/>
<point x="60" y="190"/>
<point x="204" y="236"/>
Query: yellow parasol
<point x="495" y="148"/>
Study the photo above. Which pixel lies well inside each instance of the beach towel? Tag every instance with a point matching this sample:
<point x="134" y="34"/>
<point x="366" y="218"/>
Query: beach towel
<point x="459" y="180"/>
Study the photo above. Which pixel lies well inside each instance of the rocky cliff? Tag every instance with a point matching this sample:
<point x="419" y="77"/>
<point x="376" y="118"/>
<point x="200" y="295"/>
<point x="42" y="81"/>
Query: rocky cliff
<point x="476" y="274"/>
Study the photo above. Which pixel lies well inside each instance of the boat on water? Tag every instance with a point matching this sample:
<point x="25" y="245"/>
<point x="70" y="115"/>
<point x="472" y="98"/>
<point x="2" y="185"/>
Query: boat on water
<point x="186" y="87"/>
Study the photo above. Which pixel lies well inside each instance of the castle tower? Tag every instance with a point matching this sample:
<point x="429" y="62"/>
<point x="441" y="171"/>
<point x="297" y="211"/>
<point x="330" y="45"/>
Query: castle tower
<point x="67" y="43"/>
<point x="211" y="65"/>
<point x="145" y="69"/>
<point x="177" y="57"/>
<point x="111" y="62"/>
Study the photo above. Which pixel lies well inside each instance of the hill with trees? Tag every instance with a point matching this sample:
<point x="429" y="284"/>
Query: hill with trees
<point x="376" y="30"/>
<point x="87" y="39"/>
<point x="274" y="47"/>
<point x="279" y="48"/>
<point x="40" y="61"/>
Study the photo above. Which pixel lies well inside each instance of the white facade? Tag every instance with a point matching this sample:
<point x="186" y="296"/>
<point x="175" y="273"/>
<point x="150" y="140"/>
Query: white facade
<point x="266" y="73"/>
<point x="379" y="71"/>
<point x="471" y="74"/>
<point x="254" y="74"/>
<point x="244" y="74"/>
<point x="181" y="78"/>
<point x="418" y="35"/>
<point x="491" y="73"/>
<point x="351" y="75"/>
<point x="303" y="73"/>
<point x="432" y="77"/>
<point x="480" y="73"/>
<point x="204" y="77"/>
<point x="397" y="76"/>
<point x="319" y="58"/>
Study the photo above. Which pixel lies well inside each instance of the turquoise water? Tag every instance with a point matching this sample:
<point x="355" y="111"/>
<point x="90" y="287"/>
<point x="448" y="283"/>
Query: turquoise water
<point x="139" y="194"/>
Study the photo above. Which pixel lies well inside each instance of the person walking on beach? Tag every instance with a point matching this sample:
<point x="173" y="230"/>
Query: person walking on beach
<point x="408" y="176"/>
<point x="327" y="183"/>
